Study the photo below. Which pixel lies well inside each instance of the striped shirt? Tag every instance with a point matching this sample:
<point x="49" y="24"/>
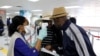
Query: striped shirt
<point x="48" y="38"/>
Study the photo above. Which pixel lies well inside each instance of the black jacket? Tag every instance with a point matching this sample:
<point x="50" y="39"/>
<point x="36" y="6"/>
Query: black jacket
<point x="75" y="41"/>
<point x="1" y="24"/>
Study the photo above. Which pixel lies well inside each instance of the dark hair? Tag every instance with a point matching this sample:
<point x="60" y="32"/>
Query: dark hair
<point x="16" y="21"/>
<point x="73" y="20"/>
<point x="40" y="16"/>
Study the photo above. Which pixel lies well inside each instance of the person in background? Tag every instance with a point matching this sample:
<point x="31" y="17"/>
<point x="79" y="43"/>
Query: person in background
<point x="50" y="34"/>
<point x="8" y="22"/>
<point x="1" y="26"/>
<point x="18" y="44"/>
<point x="73" y="20"/>
<point x="47" y="48"/>
<point x="57" y="41"/>
<point x="74" y="42"/>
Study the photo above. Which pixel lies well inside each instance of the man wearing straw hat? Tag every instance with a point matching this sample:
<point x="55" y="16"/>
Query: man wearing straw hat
<point x="74" y="39"/>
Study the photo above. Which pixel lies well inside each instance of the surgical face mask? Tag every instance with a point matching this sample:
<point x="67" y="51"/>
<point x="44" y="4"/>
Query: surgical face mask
<point x="27" y="30"/>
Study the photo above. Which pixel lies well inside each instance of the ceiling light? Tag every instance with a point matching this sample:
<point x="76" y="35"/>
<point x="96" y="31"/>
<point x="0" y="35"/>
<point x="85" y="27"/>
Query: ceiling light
<point x="36" y="10"/>
<point x="5" y="7"/>
<point x="70" y="7"/>
<point x="34" y="0"/>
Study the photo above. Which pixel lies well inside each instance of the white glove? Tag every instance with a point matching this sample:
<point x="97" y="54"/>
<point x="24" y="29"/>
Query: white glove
<point x="42" y="33"/>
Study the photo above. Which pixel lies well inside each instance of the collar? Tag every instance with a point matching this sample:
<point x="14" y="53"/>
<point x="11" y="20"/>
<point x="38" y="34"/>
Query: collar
<point x="66" y="25"/>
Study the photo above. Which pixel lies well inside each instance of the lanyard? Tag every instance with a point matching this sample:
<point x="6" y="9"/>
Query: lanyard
<point x="25" y="40"/>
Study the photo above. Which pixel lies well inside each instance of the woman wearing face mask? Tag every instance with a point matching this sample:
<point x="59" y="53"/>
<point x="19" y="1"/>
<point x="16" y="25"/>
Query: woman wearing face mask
<point x="30" y="35"/>
<point x="18" y="45"/>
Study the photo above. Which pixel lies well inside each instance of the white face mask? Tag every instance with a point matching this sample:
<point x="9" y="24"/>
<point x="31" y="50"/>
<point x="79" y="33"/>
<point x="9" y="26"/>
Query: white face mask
<point x="29" y="30"/>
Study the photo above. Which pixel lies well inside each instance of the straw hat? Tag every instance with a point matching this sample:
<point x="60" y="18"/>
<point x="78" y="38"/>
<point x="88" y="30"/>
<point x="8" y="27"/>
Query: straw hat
<point x="59" y="12"/>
